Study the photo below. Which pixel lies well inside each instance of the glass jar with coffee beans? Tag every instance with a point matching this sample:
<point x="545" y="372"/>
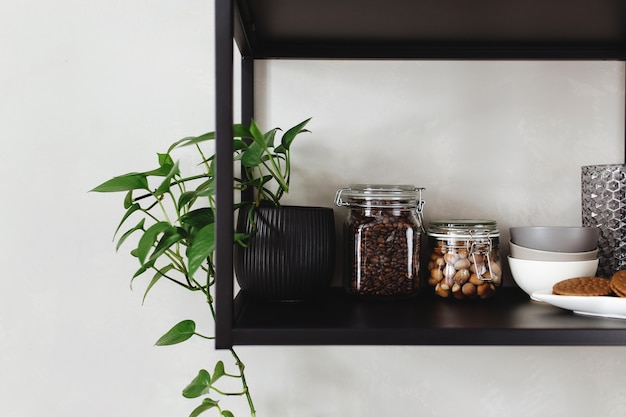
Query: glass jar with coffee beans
<point x="382" y="234"/>
<point x="464" y="258"/>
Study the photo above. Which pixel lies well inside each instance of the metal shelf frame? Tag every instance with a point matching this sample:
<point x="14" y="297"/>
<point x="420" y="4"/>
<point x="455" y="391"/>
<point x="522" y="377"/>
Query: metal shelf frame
<point x="396" y="29"/>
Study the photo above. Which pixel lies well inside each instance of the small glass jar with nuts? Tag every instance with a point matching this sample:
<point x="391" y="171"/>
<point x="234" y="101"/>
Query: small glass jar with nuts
<point x="464" y="260"/>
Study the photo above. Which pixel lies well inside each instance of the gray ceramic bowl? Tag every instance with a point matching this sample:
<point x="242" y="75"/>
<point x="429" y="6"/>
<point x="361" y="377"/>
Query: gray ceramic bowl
<point x="522" y="252"/>
<point x="556" y="238"/>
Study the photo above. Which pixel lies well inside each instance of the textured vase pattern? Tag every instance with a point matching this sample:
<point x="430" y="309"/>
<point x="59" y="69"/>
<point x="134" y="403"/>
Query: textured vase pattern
<point x="291" y="256"/>
<point x="603" y="206"/>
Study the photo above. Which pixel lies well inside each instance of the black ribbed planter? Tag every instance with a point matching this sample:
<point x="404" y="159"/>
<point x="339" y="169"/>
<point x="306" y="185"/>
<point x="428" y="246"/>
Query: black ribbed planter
<point x="292" y="255"/>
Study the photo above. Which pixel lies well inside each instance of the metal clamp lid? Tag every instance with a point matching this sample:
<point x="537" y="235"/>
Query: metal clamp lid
<point x="383" y="196"/>
<point x="463" y="228"/>
<point x="480" y="244"/>
<point x="365" y="194"/>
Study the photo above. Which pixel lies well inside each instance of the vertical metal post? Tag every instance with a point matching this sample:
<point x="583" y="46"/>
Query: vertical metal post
<point x="247" y="106"/>
<point x="224" y="173"/>
<point x="247" y="89"/>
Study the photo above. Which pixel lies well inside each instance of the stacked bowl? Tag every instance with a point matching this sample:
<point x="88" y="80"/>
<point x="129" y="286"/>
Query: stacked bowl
<point x="541" y="256"/>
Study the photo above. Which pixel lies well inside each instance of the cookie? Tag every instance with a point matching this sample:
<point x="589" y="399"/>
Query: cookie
<point x="585" y="286"/>
<point x="618" y="283"/>
<point x="617" y="291"/>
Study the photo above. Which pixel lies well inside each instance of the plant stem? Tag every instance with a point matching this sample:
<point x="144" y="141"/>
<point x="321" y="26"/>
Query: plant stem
<point x="240" y="365"/>
<point x="243" y="382"/>
<point x="229" y="394"/>
<point x="203" y="336"/>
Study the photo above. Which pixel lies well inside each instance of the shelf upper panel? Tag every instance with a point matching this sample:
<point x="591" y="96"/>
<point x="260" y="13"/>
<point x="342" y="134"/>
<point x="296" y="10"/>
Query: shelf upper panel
<point x="432" y="29"/>
<point x="338" y="319"/>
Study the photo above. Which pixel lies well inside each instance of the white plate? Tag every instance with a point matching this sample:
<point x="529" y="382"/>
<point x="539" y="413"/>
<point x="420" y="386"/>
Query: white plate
<point x="613" y="307"/>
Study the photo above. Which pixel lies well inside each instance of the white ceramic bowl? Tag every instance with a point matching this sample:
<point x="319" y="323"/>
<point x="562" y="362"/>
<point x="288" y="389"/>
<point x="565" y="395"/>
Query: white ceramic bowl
<point x="556" y="238"/>
<point x="521" y="252"/>
<point x="533" y="275"/>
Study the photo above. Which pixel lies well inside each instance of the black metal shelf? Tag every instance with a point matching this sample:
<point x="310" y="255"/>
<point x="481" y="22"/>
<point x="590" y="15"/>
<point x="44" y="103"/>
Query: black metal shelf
<point x="397" y="29"/>
<point x="454" y="29"/>
<point x="336" y="318"/>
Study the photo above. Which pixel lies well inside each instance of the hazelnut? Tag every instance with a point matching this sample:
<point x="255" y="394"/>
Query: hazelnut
<point x="457" y="292"/>
<point x="436" y="273"/>
<point x="485" y="290"/>
<point x="462" y="263"/>
<point x="469" y="290"/>
<point x="475" y="280"/>
<point x="441" y="291"/>
<point x="451" y="258"/>
<point x="462" y="276"/>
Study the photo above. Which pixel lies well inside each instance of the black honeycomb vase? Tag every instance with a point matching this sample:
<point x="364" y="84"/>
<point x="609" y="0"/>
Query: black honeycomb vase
<point x="291" y="256"/>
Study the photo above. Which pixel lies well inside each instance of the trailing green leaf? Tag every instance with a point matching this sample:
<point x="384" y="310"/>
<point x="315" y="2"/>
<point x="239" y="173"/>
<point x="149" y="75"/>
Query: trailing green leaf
<point x="291" y="134"/>
<point x="201" y="248"/>
<point x="269" y="138"/>
<point x="129" y="232"/>
<point x="171" y="236"/>
<point x="205" y="189"/>
<point x="129" y="210"/>
<point x="128" y="200"/>
<point x="148" y="240"/>
<point x="186" y="198"/>
<point x="241" y="131"/>
<point x="142" y="269"/>
<point x="127" y="182"/>
<point x="165" y="185"/>
<point x="165" y="165"/>
<point x="218" y="372"/>
<point x="253" y="156"/>
<point x="177" y="334"/>
<point x="157" y="276"/>
<point x="165" y="159"/>
<point x="191" y="140"/>
<point x="198" y="218"/>
<point x="239" y="145"/>
<point x="256" y="135"/>
<point x="200" y="385"/>
<point x="207" y="404"/>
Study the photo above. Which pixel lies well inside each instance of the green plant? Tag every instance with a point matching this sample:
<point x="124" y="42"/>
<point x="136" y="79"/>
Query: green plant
<point x="175" y="231"/>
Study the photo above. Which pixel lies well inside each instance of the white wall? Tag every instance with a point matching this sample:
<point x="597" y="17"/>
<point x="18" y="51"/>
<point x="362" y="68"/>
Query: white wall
<point x="89" y="90"/>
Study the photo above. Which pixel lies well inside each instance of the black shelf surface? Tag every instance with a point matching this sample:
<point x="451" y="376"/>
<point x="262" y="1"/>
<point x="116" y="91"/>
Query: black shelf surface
<point x="337" y="318"/>
<point x="441" y="29"/>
